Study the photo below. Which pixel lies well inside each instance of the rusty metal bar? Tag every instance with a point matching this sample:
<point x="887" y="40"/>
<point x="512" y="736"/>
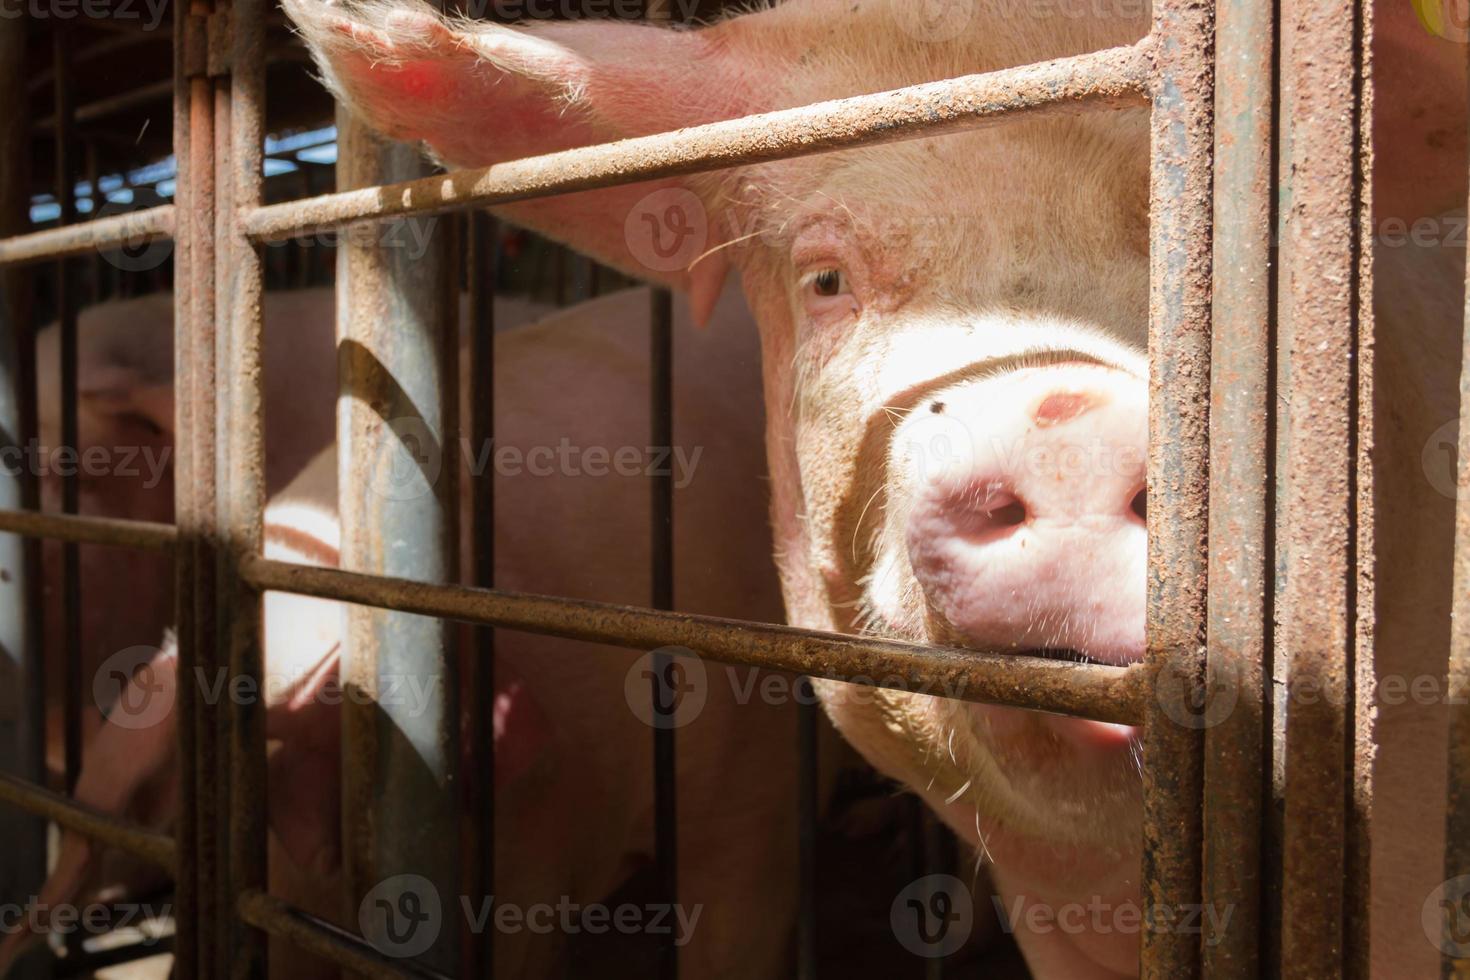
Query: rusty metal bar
<point x="661" y="555"/>
<point x="808" y="810"/>
<point x="103" y="234"/>
<point x="195" y="332"/>
<point x="102" y="108"/>
<point x="1103" y="693"/>
<point x="149" y="845"/>
<point x="116" y="531"/>
<point x="186" y="509"/>
<point x="1317" y="321"/>
<point x="241" y="464"/>
<point x="1111" y="78"/>
<point x="1457" y="688"/>
<point x="397" y="400"/>
<point x="323" y="939"/>
<point x="66" y="315"/>
<point x="1178" y="480"/>
<point x="22" y="664"/>
<point x="1240" y="365"/>
<point x="479" y="670"/>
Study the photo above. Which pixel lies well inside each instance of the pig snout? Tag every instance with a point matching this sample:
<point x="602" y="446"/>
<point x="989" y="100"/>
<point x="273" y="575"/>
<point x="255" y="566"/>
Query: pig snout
<point x="1025" y="519"/>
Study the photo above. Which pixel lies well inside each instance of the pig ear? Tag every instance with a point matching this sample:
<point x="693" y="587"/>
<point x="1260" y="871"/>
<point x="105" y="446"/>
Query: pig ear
<point x="479" y="93"/>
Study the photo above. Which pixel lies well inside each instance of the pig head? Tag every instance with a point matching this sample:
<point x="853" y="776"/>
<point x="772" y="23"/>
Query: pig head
<point x="953" y="332"/>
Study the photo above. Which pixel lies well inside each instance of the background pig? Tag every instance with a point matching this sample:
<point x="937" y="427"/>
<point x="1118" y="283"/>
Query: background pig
<point x="944" y="323"/>
<point x="126" y="411"/>
<point x="574" y="805"/>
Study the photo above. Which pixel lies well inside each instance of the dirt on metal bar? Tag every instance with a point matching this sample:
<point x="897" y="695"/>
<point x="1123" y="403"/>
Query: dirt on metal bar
<point x="1240" y="366"/>
<point x="1103" y="693"/>
<point x="1317" y="323"/>
<point x="1178" y="480"/>
<point x="117" y="531"/>
<point x="100" y="235"/>
<point x="1113" y="78"/>
<point x="240" y="36"/>
<point x="149" y="845"/>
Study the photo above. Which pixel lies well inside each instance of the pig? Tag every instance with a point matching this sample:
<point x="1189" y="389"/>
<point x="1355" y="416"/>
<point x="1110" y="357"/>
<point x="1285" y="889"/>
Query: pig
<point x="574" y="793"/>
<point x="938" y="319"/>
<point x="125" y="413"/>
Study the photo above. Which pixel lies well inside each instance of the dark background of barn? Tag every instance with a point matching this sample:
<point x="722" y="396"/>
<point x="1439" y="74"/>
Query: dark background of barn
<point x="872" y="841"/>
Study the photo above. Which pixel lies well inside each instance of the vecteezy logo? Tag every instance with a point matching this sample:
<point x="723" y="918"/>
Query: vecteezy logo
<point x="131" y="688"/>
<point x="933" y="916"/>
<point x="667" y="230"/>
<point x="933" y="20"/>
<point x="667" y="688"/>
<point x="134" y="255"/>
<point x="1445" y="917"/>
<point x="1438" y="458"/>
<point x="408" y="462"/>
<point x="401" y="916"/>
<point x="1198" y="706"/>
<point x="1444" y="18"/>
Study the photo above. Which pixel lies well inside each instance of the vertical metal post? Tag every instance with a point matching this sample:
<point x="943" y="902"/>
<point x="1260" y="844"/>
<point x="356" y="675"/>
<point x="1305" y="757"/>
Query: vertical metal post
<point x="240" y="466"/>
<point x="396" y="480"/>
<point x="22" y="670"/>
<point x="807" y="807"/>
<point x="1240" y="364"/>
<point x="1178" y="478"/>
<point x="1317" y="320"/>
<point x="66" y="315"/>
<point x="1457" y="689"/>
<point x="194" y="338"/>
<point x="186" y="560"/>
<point x="661" y="552"/>
<point x="480" y="667"/>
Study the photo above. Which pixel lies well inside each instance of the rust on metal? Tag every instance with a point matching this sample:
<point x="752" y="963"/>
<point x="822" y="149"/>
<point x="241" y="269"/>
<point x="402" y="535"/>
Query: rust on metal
<point x="116" y="531"/>
<point x="100" y="235"/>
<point x="323" y="939"/>
<point x="1240" y="366"/>
<point x="1103" y="693"/>
<point x="1317" y="320"/>
<point x="1112" y="78"/>
<point x="104" y="828"/>
<point x="239" y="29"/>
<point x="186" y="560"/>
<point x="1178" y="479"/>
<point x="1457" y="688"/>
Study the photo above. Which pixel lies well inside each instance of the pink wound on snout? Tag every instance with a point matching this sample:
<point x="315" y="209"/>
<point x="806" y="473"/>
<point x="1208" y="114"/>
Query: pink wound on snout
<point x="1064" y="406"/>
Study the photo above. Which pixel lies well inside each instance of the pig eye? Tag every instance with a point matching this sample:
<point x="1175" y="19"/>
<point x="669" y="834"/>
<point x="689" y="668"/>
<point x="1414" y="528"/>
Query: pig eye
<point x="829" y="282"/>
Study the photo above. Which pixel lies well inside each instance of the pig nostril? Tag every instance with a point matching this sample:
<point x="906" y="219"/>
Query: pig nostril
<point x="982" y="515"/>
<point x="1139" y="505"/>
<point x="1007" y="515"/>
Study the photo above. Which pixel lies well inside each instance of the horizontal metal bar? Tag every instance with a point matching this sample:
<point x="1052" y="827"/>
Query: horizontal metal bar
<point x="1111" y="78"/>
<point x="1096" y="691"/>
<point x="116" y="531"/>
<point x="101" y="235"/>
<point x="149" y="845"/>
<point x="312" y="935"/>
<point x="160" y="91"/>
